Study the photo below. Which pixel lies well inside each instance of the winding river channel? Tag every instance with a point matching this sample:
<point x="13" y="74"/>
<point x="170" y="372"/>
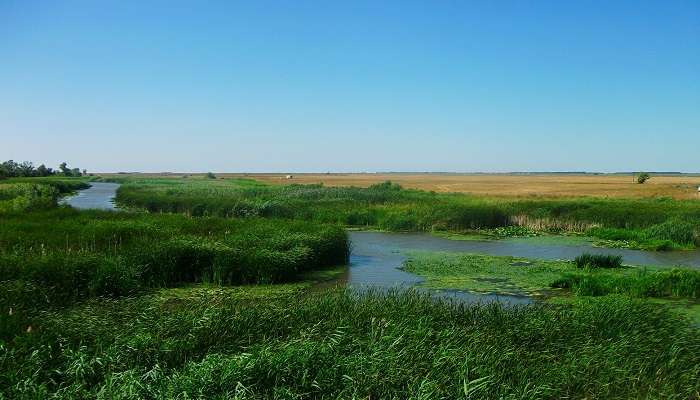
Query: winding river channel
<point x="376" y="257"/>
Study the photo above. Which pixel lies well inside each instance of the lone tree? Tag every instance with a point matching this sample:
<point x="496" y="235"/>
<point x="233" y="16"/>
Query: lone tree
<point x="211" y="175"/>
<point x="64" y="169"/>
<point x="643" y="177"/>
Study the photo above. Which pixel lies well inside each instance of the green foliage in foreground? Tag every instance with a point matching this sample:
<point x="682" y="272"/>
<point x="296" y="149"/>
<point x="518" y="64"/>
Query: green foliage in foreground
<point x="60" y="256"/>
<point x="278" y="342"/>
<point x="587" y="260"/>
<point x="643" y="223"/>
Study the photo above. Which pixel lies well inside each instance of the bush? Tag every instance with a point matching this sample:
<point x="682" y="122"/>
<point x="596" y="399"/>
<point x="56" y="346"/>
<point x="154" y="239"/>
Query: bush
<point x="598" y="261"/>
<point x="643" y="177"/>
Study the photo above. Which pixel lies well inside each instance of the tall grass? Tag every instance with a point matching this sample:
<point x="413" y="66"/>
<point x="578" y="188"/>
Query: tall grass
<point x="587" y="260"/>
<point x="674" y="283"/>
<point x="276" y="343"/>
<point x="67" y="255"/>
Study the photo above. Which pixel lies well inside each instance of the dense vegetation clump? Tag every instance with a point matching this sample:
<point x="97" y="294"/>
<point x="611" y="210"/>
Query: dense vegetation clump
<point x="643" y="177"/>
<point x="587" y="260"/>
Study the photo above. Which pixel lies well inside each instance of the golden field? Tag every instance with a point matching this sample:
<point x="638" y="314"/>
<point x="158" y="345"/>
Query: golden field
<point x="502" y="185"/>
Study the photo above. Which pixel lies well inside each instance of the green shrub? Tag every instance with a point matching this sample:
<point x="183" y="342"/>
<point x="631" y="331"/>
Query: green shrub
<point x="598" y="261"/>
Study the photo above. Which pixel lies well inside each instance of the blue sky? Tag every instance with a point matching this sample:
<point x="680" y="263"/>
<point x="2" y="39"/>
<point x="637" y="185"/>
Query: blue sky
<point x="351" y="86"/>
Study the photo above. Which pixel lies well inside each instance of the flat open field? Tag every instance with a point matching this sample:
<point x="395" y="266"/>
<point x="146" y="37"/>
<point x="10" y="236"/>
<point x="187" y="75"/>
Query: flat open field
<point x="679" y="187"/>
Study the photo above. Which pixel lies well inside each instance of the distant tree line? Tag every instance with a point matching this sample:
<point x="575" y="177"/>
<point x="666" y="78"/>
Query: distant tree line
<point x="12" y="169"/>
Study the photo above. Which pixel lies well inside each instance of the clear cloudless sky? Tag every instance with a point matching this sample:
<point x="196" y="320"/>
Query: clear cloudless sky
<point x="351" y="85"/>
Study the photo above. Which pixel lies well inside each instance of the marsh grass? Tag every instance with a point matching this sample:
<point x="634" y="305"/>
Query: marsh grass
<point x="277" y="342"/>
<point x="56" y="257"/>
<point x="673" y="283"/>
<point x="641" y="223"/>
<point x="587" y="260"/>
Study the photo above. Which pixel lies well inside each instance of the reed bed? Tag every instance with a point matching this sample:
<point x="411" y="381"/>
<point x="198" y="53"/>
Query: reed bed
<point x="587" y="260"/>
<point x="277" y="342"/>
<point x="57" y="257"/>
<point x="673" y="283"/>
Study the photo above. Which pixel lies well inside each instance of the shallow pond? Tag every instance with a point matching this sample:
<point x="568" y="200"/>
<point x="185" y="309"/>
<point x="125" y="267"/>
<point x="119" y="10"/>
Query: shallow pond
<point x="376" y="257"/>
<point x="100" y="196"/>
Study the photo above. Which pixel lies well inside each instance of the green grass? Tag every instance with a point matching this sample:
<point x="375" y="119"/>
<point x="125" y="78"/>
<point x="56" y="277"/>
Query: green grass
<point x="673" y="283"/>
<point x="659" y="224"/>
<point x="281" y="342"/>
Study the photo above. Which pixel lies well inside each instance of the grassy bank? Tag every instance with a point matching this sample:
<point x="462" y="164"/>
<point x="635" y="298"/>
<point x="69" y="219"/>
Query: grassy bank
<point x="637" y="223"/>
<point x="278" y="342"/>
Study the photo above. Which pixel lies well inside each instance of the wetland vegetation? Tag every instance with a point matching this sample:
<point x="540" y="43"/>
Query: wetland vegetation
<point x="657" y="224"/>
<point x="202" y="290"/>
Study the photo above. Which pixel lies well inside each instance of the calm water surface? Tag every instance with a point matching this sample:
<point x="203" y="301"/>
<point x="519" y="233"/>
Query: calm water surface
<point x="99" y="196"/>
<point x="376" y="257"/>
